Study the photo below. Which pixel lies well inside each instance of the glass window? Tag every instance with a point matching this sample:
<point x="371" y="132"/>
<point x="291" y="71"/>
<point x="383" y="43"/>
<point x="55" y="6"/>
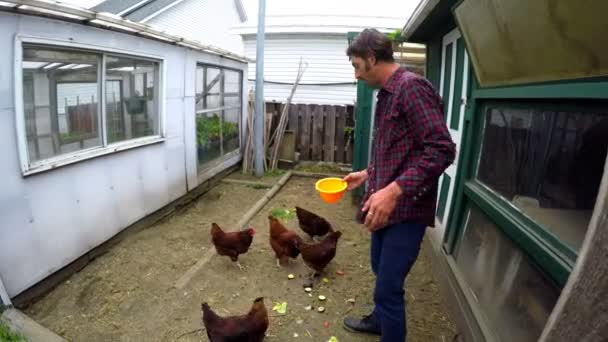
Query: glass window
<point x="547" y="163"/>
<point x="515" y="296"/>
<point x="61" y="101"/>
<point x="131" y="98"/>
<point x="218" y="112"/>
<point x="230" y="129"/>
<point x="208" y="137"/>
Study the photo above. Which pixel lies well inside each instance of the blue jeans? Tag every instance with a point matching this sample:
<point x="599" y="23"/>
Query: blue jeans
<point x="394" y="250"/>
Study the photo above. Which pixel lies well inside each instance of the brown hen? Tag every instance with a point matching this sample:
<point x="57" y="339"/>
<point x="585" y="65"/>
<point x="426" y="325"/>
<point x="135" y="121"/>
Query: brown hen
<point x="282" y="241"/>
<point x="250" y="327"/>
<point x="231" y="244"/>
<point x="317" y="255"/>
<point x="312" y="224"/>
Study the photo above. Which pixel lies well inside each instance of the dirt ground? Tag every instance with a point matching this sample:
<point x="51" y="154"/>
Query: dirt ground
<point x="128" y="294"/>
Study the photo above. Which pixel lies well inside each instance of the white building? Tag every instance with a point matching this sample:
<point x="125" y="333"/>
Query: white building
<point x="316" y="31"/>
<point x="205" y="21"/>
<point x="100" y="128"/>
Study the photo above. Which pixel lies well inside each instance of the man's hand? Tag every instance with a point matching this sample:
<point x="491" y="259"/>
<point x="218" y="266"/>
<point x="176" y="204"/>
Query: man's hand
<point x="355" y="179"/>
<point x="380" y="206"/>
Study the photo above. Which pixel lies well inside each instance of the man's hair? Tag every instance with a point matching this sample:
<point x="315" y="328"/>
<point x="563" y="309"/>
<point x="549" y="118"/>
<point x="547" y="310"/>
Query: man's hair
<point x="371" y="42"/>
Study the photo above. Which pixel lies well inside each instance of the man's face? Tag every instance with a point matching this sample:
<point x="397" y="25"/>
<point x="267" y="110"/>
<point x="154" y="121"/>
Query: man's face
<point x="365" y="70"/>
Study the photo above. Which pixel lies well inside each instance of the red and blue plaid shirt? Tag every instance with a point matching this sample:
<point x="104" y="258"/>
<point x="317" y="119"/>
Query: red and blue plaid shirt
<point x="411" y="145"/>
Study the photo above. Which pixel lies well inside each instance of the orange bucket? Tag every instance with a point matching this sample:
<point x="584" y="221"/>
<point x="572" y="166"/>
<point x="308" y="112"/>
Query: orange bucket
<point x="331" y="190"/>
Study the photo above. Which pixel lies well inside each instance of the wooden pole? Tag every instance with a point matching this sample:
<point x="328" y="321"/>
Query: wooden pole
<point x="187" y="277"/>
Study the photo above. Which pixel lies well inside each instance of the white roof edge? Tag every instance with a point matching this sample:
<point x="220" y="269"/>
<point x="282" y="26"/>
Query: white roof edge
<point x="278" y="29"/>
<point x="174" y="3"/>
<point x="420" y="14"/>
<point x="109" y="21"/>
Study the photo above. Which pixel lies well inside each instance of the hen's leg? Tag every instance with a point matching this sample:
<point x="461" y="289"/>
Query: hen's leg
<point x="312" y="279"/>
<point x="278" y="263"/>
<point x="240" y="266"/>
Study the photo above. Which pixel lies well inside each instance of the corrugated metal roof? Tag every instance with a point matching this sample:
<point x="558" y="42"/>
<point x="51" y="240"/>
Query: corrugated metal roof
<point x="150" y="8"/>
<point x="135" y="10"/>
<point x="68" y="12"/>
<point x="115" y="6"/>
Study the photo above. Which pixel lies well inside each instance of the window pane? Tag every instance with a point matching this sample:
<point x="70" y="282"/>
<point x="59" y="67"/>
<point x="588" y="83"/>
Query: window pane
<point x="232" y="88"/>
<point x="131" y="98"/>
<point x="548" y="164"/>
<point x="208" y="137"/>
<point x="514" y="296"/>
<point x="232" y="83"/>
<point x="230" y="129"/>
<point x="211" y="88"/>
<point x="60" y="98"/>
<point x="218" y="106"/>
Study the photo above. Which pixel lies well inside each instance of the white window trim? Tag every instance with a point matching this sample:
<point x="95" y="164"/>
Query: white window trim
<point x="210" y="110"/>
<point x="228" y="159"/>
<point x="28" y="168"/>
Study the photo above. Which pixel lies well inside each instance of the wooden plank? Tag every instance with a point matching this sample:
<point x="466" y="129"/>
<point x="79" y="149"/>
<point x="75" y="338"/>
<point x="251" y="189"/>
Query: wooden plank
<point x="27" y="327"/>
<point x="258" y="185"/>
<point x="292" y="124"/>
<point x="349" y="153"/>
<point x="306" y="123"/>
<point x="340" y="124"/>
<point x="317" y="133"/>
<point x="330" y="134"/>
<point x="190" y="273"/>
<point x="299" y="134"/>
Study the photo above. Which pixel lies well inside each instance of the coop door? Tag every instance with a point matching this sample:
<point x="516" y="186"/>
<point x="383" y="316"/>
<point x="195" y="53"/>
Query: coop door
<point x="453" y="90"/>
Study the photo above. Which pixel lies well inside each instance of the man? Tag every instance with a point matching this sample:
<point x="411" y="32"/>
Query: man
<point x="411" y="149"/>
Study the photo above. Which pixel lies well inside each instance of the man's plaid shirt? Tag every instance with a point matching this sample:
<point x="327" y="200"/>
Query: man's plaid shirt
<point x="411" y="145"/>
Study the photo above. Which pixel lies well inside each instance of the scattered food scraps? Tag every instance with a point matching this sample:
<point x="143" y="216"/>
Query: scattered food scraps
<point x="321" y="309"/>
<point x="333" y="339"/>
<point x="308" y="308"/>
<point x="340" y="273"/>
<point x="351" y="300"/>
<point x="326" y="324"/>
<point x="322" y="297"/>
<point x="325" y="280"/>
<point x="308" y="289"/>
<point x="295" y="335"/>
<point x="290" y="276"/>
<point x="280" y="307"/>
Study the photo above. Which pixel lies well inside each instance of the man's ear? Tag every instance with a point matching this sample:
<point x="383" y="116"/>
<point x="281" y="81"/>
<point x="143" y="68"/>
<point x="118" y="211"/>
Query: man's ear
<point x="372" y="60"/>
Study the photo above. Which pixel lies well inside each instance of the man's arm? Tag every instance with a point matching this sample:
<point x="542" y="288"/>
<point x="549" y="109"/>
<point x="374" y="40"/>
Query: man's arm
<point x="424" y="111"/>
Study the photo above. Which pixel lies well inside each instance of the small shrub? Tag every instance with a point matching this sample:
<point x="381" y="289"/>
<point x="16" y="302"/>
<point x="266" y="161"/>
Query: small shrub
<point x="7" y="335"/>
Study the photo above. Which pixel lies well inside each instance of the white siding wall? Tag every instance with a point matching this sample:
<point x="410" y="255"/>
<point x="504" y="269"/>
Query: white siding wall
<point x="48" y="220"/>
<point x="327" y="63"/>
<point x="207" y="21"/>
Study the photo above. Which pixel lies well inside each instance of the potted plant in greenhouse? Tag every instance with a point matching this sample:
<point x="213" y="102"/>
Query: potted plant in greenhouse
<point x="208" y="137"/>
<point x="230" y="132"/>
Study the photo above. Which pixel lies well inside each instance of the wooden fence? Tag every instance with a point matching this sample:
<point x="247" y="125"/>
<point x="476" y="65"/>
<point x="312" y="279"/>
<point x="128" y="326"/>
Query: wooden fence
<point x="322" y="132"/>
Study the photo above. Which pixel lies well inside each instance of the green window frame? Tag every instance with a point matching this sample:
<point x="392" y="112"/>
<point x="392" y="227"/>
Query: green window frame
<point x="551" y="255"/>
